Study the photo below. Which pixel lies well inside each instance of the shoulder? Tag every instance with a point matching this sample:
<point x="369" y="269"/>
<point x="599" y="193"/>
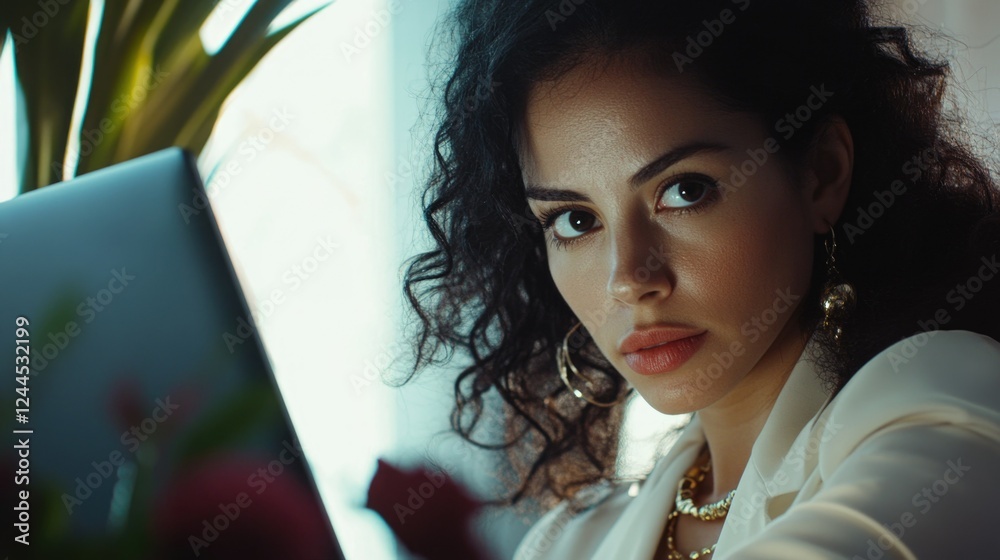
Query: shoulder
<point x="936" y="366"/>
<point x="932" y="378"/>
<point x="932" y="350"/>
<point x="910" y="441"/>
<point x="574" y="529"/>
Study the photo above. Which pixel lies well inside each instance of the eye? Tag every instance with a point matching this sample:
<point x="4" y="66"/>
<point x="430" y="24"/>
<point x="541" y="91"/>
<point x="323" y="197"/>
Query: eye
<point x="688" y="191"/>
<point x="572" y="223"/>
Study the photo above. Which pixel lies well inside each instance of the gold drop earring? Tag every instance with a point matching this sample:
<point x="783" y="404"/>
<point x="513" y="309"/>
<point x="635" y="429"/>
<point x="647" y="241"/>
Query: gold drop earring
<point x="838" y="297"/>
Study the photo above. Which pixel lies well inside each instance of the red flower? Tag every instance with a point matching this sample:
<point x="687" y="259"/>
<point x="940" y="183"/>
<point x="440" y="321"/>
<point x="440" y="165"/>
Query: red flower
<point x="429" y="513"/>
<point x="234" y="507"/>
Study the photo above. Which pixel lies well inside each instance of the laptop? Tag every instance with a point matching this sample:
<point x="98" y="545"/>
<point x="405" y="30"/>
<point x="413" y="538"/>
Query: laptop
<point x="142" y="418"/>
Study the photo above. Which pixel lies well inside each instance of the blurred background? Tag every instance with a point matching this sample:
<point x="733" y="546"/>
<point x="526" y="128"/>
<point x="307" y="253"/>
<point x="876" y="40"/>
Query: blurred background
<point x="326" y="140"/>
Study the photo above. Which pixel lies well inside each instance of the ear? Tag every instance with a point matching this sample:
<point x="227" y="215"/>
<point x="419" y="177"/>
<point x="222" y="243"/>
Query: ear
<point x="829" y="165"/>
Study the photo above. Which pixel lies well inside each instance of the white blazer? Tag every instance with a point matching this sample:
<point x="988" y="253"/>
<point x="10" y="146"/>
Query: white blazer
<point x="903" y="463"/>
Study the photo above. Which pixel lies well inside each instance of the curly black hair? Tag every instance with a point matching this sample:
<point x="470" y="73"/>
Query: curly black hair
<point x="920" y="217"/>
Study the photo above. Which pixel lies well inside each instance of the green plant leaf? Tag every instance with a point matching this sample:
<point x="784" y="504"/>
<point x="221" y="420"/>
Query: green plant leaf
<point x="232" y="422"/>
<point x="123" y="63"/>
<point x="204" y="91"/>
<point x="199" y="127"/>
<point x="153" y="84"/>
<point x="181" y="33"/>
<point x="48" y="70"/>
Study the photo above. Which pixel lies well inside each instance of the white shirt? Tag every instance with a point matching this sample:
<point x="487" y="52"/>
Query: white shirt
<point x="903" y="463"/>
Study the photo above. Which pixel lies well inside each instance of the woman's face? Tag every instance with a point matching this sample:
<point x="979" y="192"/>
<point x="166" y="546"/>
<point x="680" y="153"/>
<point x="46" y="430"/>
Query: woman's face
<point x="638" y="179"/>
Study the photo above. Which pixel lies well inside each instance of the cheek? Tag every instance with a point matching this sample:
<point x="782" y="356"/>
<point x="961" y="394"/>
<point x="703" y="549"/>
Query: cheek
<point x="728" y="266"/>
<point x="738" y="261"/>
<point x="583" y="292"/>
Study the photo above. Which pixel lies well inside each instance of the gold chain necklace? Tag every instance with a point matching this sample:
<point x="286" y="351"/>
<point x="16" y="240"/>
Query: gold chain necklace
<point x="684" y="504"/>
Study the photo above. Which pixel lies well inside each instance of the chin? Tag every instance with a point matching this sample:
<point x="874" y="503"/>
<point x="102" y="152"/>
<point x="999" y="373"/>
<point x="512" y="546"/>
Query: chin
<point x="684" y="390"/>
<point x="674" y="400"/>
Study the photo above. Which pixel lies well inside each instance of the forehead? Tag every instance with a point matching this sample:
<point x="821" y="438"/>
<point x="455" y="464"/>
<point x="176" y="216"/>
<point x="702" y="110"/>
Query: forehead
<point x="604" y="120"/>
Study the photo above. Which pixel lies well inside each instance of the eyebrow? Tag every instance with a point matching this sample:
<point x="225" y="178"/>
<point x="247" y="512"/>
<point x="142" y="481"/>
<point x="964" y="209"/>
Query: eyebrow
<point x="648" y="171"/>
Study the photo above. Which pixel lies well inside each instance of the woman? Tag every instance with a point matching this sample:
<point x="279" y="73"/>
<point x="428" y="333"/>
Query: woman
<point x="754" y="212"/>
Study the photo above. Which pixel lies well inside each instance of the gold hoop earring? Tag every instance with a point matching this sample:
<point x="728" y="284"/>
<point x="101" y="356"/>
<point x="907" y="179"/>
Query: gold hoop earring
<point x="563" y="363"/>
<point x="838" y="297"/>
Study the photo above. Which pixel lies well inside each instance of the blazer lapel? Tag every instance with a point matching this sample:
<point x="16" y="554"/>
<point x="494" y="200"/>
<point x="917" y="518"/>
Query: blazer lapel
<point x="782" y="458"/>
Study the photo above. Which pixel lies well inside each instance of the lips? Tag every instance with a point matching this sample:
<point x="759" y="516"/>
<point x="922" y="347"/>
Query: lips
<point x="660" y="349"/>
<point x="640" y="339"/>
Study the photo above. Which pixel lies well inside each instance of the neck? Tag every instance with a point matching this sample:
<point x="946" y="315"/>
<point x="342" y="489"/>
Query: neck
<point x="731" y="424"/>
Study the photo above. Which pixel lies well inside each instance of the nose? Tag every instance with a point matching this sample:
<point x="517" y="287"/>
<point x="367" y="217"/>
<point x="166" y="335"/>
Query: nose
<point x="640" y="268"/>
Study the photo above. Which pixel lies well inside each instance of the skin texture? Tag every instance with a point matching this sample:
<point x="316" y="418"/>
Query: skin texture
<point x="641" y="254"/>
